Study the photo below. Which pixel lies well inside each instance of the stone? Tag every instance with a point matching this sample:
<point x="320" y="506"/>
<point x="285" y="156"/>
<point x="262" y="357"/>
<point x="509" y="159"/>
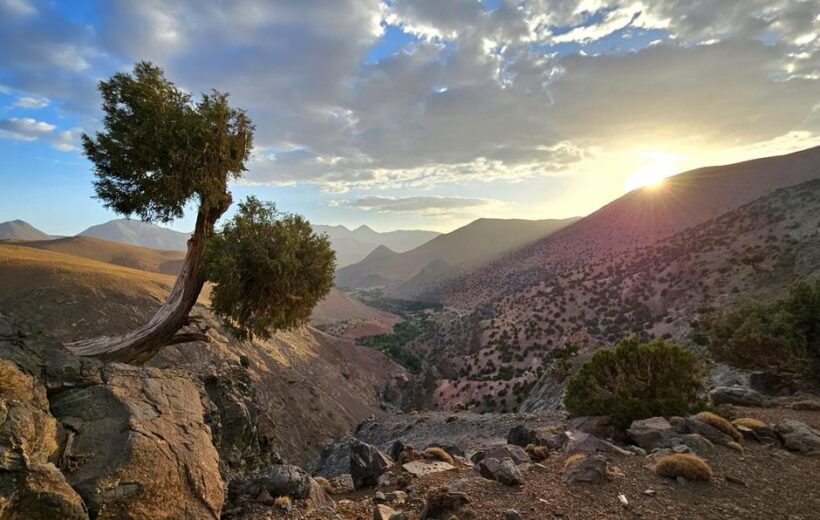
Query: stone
<point x="334" y="460"/>
<point x="736" y="395"/>
<point x="709" y="432"/>
<point x="139" y="446"/>
<point x="503" y="471"/>
<point x="773" y="383"/>
<point x="45" y="495"/>
<point x="441" y="503"/>
<point x="506" y="451"/>
<point x="420" y="468"/>
<point x="398" y="515"/>
<point x="395" y="497"/>
<point x="580" y="442"/>
<point x="650" y="433"/>
<point x="367" y="464"/>
<point x="806" y="404"/>
<point x="278" y="480"/>
<point x="799" y="437"/>
<point x="383" y="512"/>
<point x="590" y="469"/>
<point x="601" y="426"/>
<point x="694" y="443"/>
<point x="512" y="514"/>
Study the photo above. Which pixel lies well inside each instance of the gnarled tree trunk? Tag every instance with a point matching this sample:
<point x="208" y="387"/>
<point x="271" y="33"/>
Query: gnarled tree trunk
<point x="140" y="345"/>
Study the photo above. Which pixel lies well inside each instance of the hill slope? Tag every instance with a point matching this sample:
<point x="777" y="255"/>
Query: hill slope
<point x="20" y="230"/>
<point x="138" y="233"/>
<point x="353" y="245"/>
<point x="656" y="290"/>
<point x="465" y="248"/>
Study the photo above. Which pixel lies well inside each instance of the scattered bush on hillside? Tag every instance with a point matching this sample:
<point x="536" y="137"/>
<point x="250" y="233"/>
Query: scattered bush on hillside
<point x="636" y="381"/>
<point x="783" y="334"/>
<point x="690" y="467"/>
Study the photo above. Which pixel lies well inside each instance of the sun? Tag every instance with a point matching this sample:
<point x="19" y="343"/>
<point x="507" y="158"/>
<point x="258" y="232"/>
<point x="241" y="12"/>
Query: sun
<point x="656" y="168"/>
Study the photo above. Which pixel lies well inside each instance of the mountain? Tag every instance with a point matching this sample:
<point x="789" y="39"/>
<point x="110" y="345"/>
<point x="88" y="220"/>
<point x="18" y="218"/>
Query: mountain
<point x="344" y="316"/>
<point x="463" y="249"/>
<point x="612" y="275"/>
<point x="138" y="233"/>
<point x="352" y="246"/>
<point x="20" y="230"/>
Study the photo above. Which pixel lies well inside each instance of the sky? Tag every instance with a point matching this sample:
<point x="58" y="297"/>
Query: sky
<point x="421" y="114"/>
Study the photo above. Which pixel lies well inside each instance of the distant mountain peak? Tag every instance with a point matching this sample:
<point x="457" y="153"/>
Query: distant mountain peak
<point x="21" y="230"/>
<point x="135" y="232"/>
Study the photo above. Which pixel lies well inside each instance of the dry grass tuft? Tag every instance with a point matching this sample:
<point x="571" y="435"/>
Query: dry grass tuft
<point x="409" y="454"/>
<point x="735" y="446"/>
<point x="749" y="422"/>
<point x="284" y="503"/>
<point x="690" y="467"/>
<point x="573" y="459"/>
<point x="719" y="423"/>
<point x="436" y="453"/>
<point x="537" y="453"/>
<point x="329" y="488"/>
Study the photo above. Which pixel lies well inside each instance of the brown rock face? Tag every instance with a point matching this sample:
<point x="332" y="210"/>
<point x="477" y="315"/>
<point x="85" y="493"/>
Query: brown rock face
<point x="137" y="446"/>
<point x="30" y="486"/>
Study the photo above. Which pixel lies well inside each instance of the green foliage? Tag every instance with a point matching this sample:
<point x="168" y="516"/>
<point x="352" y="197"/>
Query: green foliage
<point x="160" y="150"/>
<point x="269" y="269"/>
<point x="393" y="344"/>
<point x="635" y="381"/>
<point x="784" y="334"/>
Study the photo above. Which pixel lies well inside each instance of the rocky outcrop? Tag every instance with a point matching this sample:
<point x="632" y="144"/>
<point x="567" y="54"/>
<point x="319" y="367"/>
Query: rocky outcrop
<point x="334" y="460"/>
<point x="656" y="433"/>
<point x="736" y="395"/>
<point x="503" y="471"/>
<point x="136" y="445"/>
<point x="367" y="464"/>
<point x="30" y="485"/>
<point x="580" y="442"/>
<point x="799" y="437"/>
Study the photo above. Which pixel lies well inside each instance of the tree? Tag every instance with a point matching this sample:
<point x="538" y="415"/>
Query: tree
<point x="159" y="152"/>
<point x="636" y="381"/>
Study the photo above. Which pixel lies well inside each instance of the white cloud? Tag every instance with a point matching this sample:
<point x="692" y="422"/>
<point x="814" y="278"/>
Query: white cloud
<point x="431" y="205"/>
<point x="29" y="129"/>
<point x="31" y="102"/>
<point x="18" y="7"/>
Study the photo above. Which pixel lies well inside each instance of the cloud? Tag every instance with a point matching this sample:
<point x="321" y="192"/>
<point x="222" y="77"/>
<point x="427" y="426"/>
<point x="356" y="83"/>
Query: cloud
<point x="424" y="205"/>
<point x="31" y="102"/>
<point x="29" y="129"/>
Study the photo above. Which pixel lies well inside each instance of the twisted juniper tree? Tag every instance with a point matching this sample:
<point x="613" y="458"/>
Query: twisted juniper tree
<point x="161" y="151"/>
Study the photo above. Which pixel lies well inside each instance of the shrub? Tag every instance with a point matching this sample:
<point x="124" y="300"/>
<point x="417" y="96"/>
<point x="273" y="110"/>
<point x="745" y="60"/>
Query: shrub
<point x="537" y="453"/>
<point x="690" y="467"/>
<point x="749" y="422"/>
<point x="573" y="460"/>
<point x="735" y="446"/>
<point x="436" y="453"/>
<point x="325" y="484"/>
<point x="636" y="381"/>
<point x="784" y="333"/>
<point x="719" y="423"/>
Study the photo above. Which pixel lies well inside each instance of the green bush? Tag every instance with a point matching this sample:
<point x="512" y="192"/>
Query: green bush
<point x="636" y="381"/>
<point x="781" y="334"/>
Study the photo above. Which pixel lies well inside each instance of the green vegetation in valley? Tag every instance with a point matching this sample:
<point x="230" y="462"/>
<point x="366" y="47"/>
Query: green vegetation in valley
<point x="393" y="344"/>
<point x="784" y="334"/>
<point x="636" y="380"/>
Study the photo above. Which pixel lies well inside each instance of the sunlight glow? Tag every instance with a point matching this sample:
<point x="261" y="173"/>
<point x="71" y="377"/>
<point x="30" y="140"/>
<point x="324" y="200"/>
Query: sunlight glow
<point x="656" y="167"/>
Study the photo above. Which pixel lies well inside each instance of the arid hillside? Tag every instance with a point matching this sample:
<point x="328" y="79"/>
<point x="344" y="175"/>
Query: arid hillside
<point x="304" y="387"/>
<point x="638" y="218"/>
<point x="20" y="230"/>
<point x="490" y="357"/>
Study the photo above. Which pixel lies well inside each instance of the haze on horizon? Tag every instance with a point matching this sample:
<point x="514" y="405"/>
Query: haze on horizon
<point x="419" y="113"/>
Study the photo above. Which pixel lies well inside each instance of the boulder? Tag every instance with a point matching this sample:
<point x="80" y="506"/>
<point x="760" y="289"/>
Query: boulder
<point x="334" y="460"/>
<point x="421" y="468"/>
<point x="695" y="443"/>
<point x="799" y="437"/>
<point x="367" y="464"/>
<point x="137" y="445"/>
<point x="650" y="433"/>
<point x="505" y="451"/>
<point x="710" y="433"/>
<point x="383" y="512"/>
<point x="278" y="480"/>
<point x="30" y="485"/>
<point x="512" y="514"/>
<point x="601" y="426"/>
<point x="503" y="471"/>
<point x="736" y="395"/>
<point x="591" y="469"/>
<point x="773" y="383"/>
<point x="441" y="503"/>
<point x="580" y="442"/>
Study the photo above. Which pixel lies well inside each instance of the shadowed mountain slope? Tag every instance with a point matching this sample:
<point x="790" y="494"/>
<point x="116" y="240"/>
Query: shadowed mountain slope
<point x="20" y="230"/>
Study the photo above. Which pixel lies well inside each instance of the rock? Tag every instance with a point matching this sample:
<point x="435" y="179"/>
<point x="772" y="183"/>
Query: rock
<point x="523" y="436"/>
<point x="709" y="432"/>
<point x="773" y="383"/>
<point x="591" y="469"/>
<point x="736" y="395"/>
<point x="398" y="515"/>
<point x="137" y="445"/>
<point x="600" y="426"/>
<point x="694" y="442"/>
<point x="383" y="512"/>
<point x="30" y="485"/>
<point x="342" y="483"/>
<point x="503" y="471"/>
<point x="506" y="451"/>
<point x="799" y="437"/>
<point x="334" y="461"/>
<point x="806" y="404"/>
<point x="580" y="442"/>
<point x="278" y="480"/>
<point x="367" y="464"/>
<point x="441" y="503"/>
<point x="512" y="514"/>
<point x="420" y="468"/>
<point x="650" y="433"/>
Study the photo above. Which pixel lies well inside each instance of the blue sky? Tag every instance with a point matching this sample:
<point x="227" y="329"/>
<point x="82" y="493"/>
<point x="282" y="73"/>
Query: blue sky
<point x="423" y="113"/>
